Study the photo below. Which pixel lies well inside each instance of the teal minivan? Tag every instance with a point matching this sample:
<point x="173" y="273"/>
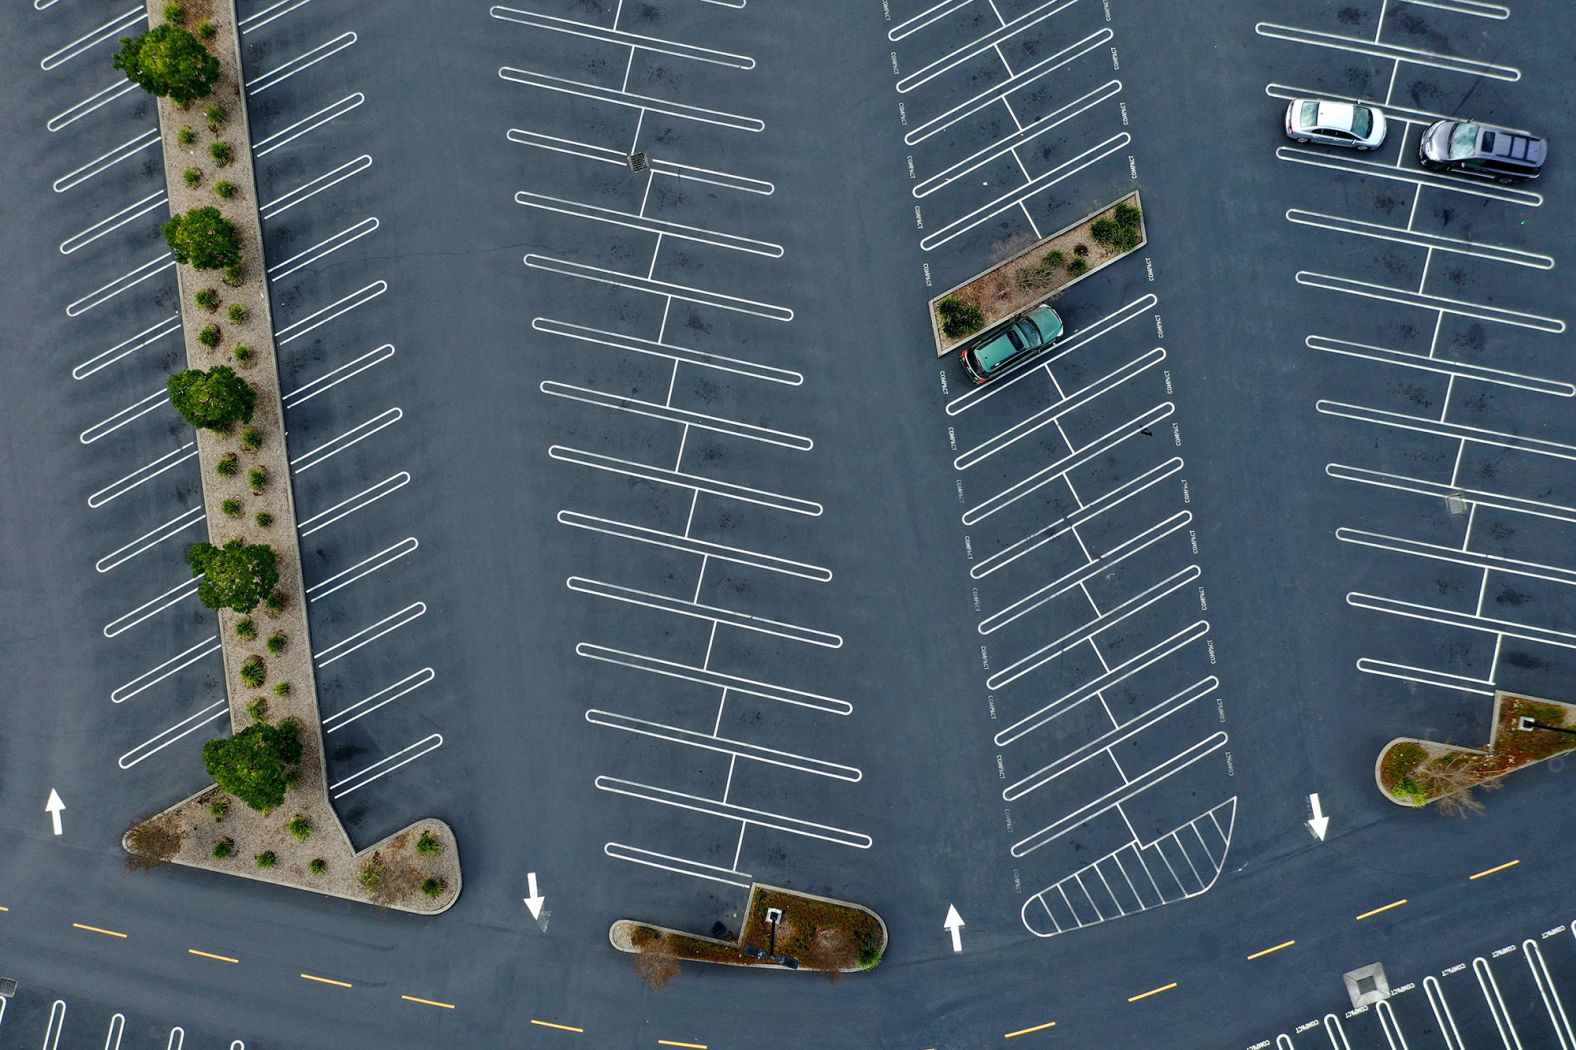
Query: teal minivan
<point x="1021" y="338"/>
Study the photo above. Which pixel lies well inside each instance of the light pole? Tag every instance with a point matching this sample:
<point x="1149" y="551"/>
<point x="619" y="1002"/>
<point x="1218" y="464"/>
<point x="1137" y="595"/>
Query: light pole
<point x="773" y="916"/>
<point x="1527" y="722"/>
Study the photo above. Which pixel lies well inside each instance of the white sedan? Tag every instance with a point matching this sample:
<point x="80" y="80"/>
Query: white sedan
<point x="1335" y="123"/>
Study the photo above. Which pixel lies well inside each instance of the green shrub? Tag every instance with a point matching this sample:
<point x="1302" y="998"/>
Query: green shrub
<point x="300" y="827"/>
<point x="276" y="602"/>
<point x="242" y="354"/>
<point x="168" y="61"/>
<point x="238" y="313"/>
<point x="228" y="466"/>
<point x="257" y="710"/>
<point x="174" y="13"/>
<point x="232" y="274"/>
<point x="263" y="519"/>
<point x="276" y="642"/>
<point x="959" y="318"/>
<point x="257" y="478"/>
<point x="235" y="576"/>
<point x="219" y="808"/>
<point x="429" y="845"/>
<point x="221" y="153"/>
<point x="266" y="859"/>
<point x="370" y="877"/>
<point x="281" y="689"/>
<point x="1119" y="229"/>
<point x="216" y="116"/>
<point x="216" y="399"/>
<point x="251" y="439"/>
<point x="203" y="238"/>
<point x="224" y="849"/>
<point x="257" y="764"/>
<point x="186" y="136"/>
<point x="253" y="671"/>
<point x="1078" y="266"/>
<point x="1103" y="230"/>
<point x="246" y="629"/>
<point x="206" y="30"/>
<point x="433" y="887"/>
<point x="192" y="176"/>
<point x="224" y="188"/>
<point x="318" y="866"/>
<point x="209" y="336"/>
<point x="1411" y="791"/>
<point x="1054" y="259"/>
<point x="231" y="508"/>
<point x="207" y="298"/>
<point x="1127" y="216"/>
<point x="869" y="956"/>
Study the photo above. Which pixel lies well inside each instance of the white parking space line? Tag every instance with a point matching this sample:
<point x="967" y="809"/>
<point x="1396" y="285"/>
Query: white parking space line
<point x="114" y="222"/>
<point x="261" y="17"/>
<point x="288" y="69"/>
<point x="335" y="445"/>
<point x="296" y="329"/>
<point x="1479" y="497"/>
<point x="730" y="811"/>
<point x="369" y="634"/>
<point x="1065" y="465"/>
<point x="136" y="410"/>
<point x="1110" y="739"/>
<point x="701" y="420"/>
<point x="148" y="335"/>
<point x="1092" y="628"/>
<point x="1425" y="676"/>
<point x="332" y="378"/>
<point x="632" y="221"/>
<point x="632" y="100"/>
<point x="634" y="282"/>
<point x="1550" y="995"/>
<point x="102" y="97"/>
<point x="678" y="865"/>
<point x="1376" y="169"/>
<point x="365" y="567"/>
<point x="659" y="166"/>
<point x="933" y="13"/>
<point x="671" y="351"/>
<point x="1401" y="235"/>
<point x="1080" y="575"/>
<point x="57" y="1020"/>
<point x="1055" y="410"/>
<point x="174" y="665"/>
<point x="1415" y="56"/>
<point x="1457" y="369"/>
<point x="117" y="1028"/>
<point x="157" y="535"/>
<point x="1464" y="7"/>
<point x="681" y="479"/>
<point x="1407" y="297"/>
<point x="284" y="136"/>
<point x="1391" y="1026"/>
<point x="1457" y="556"/>
<point x="327" y="246"/>
<point x="1456" y="431"/>
<point x="1468" y="621"/>
<point x="724" y="745"/>
<point x="93" y="37"/>
<point x="634" y="41"/>
<point x="174" y="596"/>
<point x="700" y="611"/>
<point x="1018" y="195"/>
<point x="727" y="682"/>
<point x="365" y="498"/>
<point x="125" y="282"/>
<point x="1110" y="800"/>
<point x="1002" y="33"/>
<point x="289" y="199"/>
<point x="998" y="92"/>
<point x="704" y="548"/>
<point x="1065" y="524"/>
<point x="383" y="767"/>
<point x="387" y="695"/>
<point x="1496" y="1004"/>
<point x="1443" y="1018"/>
<point x="105" y="161"/>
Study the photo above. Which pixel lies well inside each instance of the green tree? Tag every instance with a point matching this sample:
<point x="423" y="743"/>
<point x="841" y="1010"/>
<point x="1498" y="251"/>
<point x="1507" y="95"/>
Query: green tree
<point x="168" y="60"/>
<point x="204" y="238"/>
<point x="216" y="399"/>
<point x="235" y="576"/>
<point x="258" y="764"/>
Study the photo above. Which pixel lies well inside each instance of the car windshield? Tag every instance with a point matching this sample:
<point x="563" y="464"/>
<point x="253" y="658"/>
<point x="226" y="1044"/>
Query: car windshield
<point x="1463" y="141"/>
<point x="999" y="351"/>
<point x="1362" y="121"/>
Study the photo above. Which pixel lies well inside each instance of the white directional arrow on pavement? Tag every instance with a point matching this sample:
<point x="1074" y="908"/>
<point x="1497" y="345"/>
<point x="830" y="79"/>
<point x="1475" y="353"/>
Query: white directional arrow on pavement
<point x="1320" y="823"/>
<point x="54" y="807"/>
<point x="535" y="900"/>
<point x="954" y="925"/>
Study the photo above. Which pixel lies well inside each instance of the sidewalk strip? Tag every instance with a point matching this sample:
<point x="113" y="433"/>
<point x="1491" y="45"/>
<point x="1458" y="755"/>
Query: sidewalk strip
<point x="426" y="1002"/>
<point x="1152" y="991"/>
<point x="1026" y="1031"/>
<point x="95" y="929"/>
<point x="1490" y="871"/>
<point x="211" y="955"/>
<point x="560" y="1027"/>
<point x="1376" y="911"/>
<point x="1267" y="951"/>
<point x="326" y="980"/>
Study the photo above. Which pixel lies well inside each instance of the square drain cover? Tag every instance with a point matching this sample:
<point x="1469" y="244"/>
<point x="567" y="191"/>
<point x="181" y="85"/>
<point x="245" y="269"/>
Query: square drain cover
<point x="1367" y="985"/>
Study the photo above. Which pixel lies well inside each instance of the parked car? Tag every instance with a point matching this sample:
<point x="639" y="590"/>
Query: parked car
<point x="1335" y="123"/>
<point x="1482" y="150"/>
<point x="999" y="348"/>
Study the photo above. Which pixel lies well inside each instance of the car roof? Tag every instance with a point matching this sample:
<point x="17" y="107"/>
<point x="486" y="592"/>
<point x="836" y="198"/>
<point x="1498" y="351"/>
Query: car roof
<point x="1337" y="115"/>
<point x="1512" y="146"/>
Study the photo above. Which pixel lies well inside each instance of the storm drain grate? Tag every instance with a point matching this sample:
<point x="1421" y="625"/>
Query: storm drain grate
<point x="1456" y="503"/>
<point x="639" y="161"/>
<point x="1367" y="985"/>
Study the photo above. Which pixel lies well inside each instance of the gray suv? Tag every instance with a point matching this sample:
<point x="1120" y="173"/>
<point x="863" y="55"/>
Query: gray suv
<point x="1479" y="149"/>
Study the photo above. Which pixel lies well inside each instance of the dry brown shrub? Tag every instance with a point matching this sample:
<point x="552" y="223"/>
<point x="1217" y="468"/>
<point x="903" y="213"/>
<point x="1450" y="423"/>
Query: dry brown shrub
<point x="1454" y="782"/>
<point x="656" y="964"/>
<point x="153" y="842"/>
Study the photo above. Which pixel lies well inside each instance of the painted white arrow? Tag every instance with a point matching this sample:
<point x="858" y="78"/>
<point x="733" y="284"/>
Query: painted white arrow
<point x="1320" y="823"/>
<point x="954" y="925"/>
<point x="53" y="807"/>
<point x="535" y="900"/>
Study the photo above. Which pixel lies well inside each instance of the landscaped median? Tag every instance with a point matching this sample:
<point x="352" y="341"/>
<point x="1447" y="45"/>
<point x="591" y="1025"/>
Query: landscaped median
<point x="269" y="815"/>
<point x="1032" y="274"/>
<point x="1526" y="731"/>
<point x="783" y="930"/>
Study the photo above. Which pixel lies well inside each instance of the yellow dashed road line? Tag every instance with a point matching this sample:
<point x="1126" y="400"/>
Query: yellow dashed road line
<point x="687" y="1046"/>
<point x="560" y="1027"/>
<point x="1267" y="951"/>
<point x="1152" y="991"/>
<point x="1026" y="1031"/>
<point x="96" y="929"/>
<point x="426" y="1002"/>
<point x="326" y="980"/>
<point x="1376" y="911"/>
<point x="211" y="955"/>
<point x="1490" y="871"/>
